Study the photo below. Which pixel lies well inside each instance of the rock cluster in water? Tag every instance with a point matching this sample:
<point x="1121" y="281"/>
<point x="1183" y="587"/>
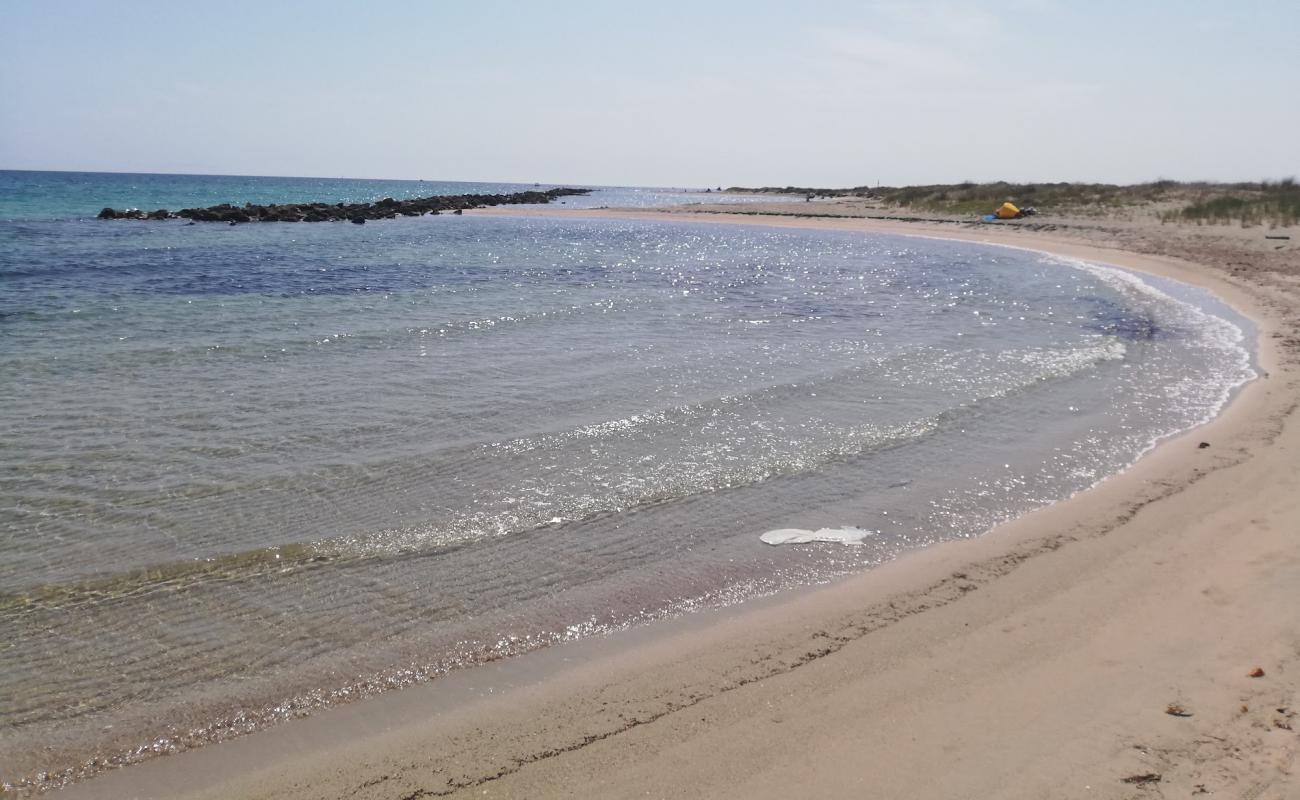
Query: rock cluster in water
<point x="388" y="208"/>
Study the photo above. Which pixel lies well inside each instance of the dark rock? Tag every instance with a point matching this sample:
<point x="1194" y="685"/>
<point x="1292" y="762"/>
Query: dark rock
<point x="1145" y="778"/>
<point x="358" y="221"/>
<point x="387" y="208"/>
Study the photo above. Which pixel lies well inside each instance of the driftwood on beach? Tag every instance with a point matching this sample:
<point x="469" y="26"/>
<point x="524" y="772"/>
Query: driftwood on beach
<point x="388" y="208"/>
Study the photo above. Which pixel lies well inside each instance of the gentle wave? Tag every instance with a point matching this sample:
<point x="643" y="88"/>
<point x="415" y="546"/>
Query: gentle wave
<point x="707" y="467"/>
<point x="228" y="507"/>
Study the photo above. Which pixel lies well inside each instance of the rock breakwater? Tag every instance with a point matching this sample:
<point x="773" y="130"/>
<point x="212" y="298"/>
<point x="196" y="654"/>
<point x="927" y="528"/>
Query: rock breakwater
<point x="359" y="213"/>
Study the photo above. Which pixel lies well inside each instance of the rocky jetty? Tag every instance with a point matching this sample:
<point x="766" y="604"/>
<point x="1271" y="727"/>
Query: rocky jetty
<point x="388" y="208"/>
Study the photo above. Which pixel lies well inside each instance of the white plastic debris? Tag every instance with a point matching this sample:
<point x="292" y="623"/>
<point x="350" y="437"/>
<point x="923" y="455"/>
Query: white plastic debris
<point x="845" y="535"/>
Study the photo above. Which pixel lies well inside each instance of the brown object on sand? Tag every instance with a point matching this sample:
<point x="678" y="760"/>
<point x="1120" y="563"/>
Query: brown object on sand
<point x="1175" y="710"/>
<point x="1257" y="672"/>
<point x="1149" y="777"/>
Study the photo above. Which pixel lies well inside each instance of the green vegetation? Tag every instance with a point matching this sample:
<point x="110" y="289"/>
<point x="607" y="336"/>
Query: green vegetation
<point x="983" y="198"/>
<point x="1264" y="203"/>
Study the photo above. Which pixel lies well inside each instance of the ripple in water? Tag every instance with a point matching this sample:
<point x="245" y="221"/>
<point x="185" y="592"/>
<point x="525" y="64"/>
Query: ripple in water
<point x="251" y="471"/>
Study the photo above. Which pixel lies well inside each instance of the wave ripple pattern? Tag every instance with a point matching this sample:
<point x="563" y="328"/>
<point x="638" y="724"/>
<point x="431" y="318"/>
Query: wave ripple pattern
<point x="246" y="472"/>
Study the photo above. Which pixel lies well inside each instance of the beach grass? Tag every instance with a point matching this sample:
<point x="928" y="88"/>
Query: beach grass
<point x="1266" y="203"/>
<point x="1274" y="203"/>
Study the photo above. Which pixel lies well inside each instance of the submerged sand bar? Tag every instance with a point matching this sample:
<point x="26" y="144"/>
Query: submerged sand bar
<point x="1037" y="661"/>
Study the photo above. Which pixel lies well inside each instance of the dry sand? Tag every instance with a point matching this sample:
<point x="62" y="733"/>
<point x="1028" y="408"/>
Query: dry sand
<point x="1038" y="661"/>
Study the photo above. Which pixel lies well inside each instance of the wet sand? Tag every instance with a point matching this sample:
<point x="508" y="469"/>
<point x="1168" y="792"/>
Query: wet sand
<point x="1040" y="660"/>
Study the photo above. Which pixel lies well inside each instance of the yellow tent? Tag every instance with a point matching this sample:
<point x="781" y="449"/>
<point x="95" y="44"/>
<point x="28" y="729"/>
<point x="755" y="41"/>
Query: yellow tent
<point x="1007" y="211"/>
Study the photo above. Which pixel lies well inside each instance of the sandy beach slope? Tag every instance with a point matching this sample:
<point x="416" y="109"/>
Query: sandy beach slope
<point x="1040" y="661"/>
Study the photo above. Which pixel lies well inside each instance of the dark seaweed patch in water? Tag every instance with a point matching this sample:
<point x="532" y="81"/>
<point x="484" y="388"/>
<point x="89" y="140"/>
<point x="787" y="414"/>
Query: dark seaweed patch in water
<point x="1133" y="328"/>
<point x="1109" y="318"/>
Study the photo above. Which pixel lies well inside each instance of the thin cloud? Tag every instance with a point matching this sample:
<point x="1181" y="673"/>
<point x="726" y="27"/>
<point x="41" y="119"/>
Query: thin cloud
<point x="883" y="53"/>
<point x="915" y="42"/>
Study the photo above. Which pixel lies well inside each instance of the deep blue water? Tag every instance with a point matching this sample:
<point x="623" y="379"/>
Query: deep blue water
<point x="69" y="195"/>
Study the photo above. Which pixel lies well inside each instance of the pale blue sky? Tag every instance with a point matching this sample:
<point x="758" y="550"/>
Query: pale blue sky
<point x="663" y="93"/>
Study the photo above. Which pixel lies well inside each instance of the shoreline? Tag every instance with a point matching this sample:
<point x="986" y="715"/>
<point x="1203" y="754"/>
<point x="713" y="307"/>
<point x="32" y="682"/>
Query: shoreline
<point x="549" y="728"/>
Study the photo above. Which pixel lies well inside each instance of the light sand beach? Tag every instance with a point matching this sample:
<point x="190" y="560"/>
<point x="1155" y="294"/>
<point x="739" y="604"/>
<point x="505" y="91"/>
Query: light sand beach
<point x="1139" y="640"/>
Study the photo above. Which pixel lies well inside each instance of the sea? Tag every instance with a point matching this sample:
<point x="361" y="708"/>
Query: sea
<point x="248" y="472"/>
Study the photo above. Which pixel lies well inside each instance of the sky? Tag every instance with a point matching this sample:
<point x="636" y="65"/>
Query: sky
<point x="661" y="93"/>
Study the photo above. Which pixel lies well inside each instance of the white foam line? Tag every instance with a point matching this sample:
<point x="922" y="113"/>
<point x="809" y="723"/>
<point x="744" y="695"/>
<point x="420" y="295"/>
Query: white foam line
<point x="1231" y="335"/>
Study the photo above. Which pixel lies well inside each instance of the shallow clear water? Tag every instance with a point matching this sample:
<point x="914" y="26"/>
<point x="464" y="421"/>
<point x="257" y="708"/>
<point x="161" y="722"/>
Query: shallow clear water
<point x="248" y="471"/>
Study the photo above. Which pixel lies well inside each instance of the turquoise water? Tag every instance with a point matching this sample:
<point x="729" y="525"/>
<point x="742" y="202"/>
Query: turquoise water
<point x="247" y="472"/>
<point x="67" y="195"/>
